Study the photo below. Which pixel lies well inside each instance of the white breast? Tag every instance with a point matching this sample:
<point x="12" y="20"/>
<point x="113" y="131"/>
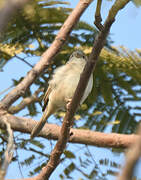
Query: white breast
<point x="65" y="81"/>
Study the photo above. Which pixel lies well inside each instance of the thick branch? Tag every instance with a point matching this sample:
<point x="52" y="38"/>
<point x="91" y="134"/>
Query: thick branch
<point x="80" y="136"/>
<point x="8" y="9"/>
<point x="47" y="55"/>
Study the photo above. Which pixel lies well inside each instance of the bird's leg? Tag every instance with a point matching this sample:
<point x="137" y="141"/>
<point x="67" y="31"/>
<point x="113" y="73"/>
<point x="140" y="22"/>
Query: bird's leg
<point x="98" y="18"/>
<point x="68" y="102"/>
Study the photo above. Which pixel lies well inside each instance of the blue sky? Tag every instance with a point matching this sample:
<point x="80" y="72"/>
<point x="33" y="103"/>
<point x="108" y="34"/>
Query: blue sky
<point x="126" y="31"/>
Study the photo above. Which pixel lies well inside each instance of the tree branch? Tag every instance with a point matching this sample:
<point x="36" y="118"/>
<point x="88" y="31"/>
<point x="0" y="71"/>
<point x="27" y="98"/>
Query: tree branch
<point x="25" y="102"/>
<point x="23" y="60"/>
<point x="80" y="136"/>
<point x="47" y="55"/>
<point x="98" y="18"/>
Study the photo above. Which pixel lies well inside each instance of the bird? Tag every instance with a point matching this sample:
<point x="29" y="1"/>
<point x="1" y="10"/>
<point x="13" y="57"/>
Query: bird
<point x="62" y="87"/>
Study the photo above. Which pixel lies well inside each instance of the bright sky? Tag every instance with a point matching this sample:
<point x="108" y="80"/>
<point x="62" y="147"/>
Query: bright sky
<point x="125" y="31"/>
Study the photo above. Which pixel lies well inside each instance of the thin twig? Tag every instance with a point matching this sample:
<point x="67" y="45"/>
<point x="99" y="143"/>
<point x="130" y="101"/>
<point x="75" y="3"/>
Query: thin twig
<point x="94" y="161"/>
<point x="39" y="152"/>
<point x="98" y="18"/>
<point x="23" y="60"/>
<point x="19" y="165"/>
<point x="26" y="101"/>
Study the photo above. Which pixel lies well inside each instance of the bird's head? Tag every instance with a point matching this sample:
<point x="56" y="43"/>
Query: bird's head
<point x="78" y="54"/>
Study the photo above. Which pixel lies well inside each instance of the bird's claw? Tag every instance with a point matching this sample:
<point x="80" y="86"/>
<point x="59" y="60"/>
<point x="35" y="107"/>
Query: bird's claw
<point x="68" y="102"/>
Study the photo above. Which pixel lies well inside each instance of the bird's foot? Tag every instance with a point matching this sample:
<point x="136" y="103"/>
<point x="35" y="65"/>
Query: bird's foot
<point x="68" y="101"/>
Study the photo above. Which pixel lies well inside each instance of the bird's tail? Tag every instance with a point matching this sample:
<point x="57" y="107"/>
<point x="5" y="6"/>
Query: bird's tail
<point x="40" y="124"/>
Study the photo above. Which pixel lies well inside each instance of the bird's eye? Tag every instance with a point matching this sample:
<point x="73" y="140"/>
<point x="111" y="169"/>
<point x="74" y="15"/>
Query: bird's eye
<point x="84" y="57"/>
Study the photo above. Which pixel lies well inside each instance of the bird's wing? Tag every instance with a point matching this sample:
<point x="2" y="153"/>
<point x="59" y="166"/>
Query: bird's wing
<point x="45" y="98"/>
<point x="53" y="83"/>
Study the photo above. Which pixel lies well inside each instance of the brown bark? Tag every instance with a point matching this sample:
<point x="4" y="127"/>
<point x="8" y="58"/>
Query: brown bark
<point x="81" y="136"/>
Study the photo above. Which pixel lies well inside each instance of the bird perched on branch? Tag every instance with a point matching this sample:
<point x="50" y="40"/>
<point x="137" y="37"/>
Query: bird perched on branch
<point x="62" y="87"/>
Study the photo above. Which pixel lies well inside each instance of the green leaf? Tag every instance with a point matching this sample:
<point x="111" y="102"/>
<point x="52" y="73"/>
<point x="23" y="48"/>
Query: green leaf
<point x="37" y="143"/>
<point x="69" y="169"/>
<point x="69" y="154"/>
<point x="28" y="161"/>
